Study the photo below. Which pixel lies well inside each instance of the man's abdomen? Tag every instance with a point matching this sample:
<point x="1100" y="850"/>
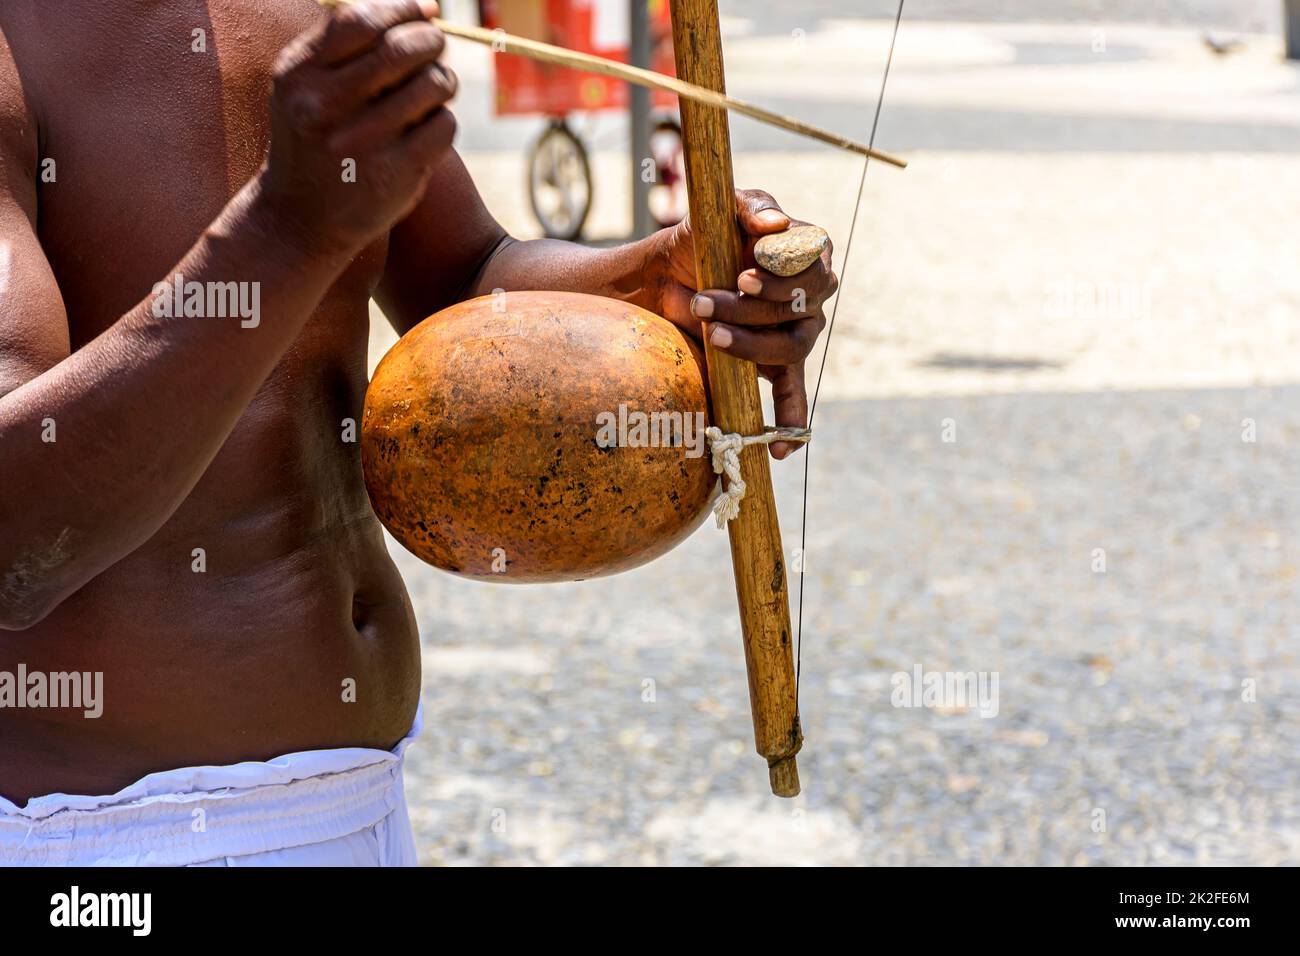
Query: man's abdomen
<point x="278" y="625"/>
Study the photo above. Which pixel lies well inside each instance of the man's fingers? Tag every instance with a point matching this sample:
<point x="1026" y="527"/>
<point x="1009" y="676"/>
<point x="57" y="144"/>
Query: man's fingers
<point x="401" y="51"/>
<point x="790" y="404"/>
<point x="355" y="28"/>
<point x="429" y="140"/>
<point x="758" y="213"/>
<point x="390" y="117"/>
<point x="676" y="307"/>
<point x="771" y="320"/>
<point x="811" y="287"/>
<point x="784" y="345"/>
<point x="733" y="308"/>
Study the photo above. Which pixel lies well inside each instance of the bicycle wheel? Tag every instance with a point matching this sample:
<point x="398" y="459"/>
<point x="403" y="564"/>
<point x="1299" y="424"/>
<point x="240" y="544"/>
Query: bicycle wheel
<point x="559" y="182"/>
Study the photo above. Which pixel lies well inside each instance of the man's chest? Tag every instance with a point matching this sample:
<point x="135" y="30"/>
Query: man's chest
<point x="153" y="114"/>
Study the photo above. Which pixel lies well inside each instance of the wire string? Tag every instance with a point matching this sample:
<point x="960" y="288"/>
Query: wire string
<point x="821" y="371"/>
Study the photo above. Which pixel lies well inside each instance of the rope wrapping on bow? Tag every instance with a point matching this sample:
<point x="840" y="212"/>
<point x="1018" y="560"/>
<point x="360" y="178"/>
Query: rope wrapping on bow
<point x="725" y="447"/>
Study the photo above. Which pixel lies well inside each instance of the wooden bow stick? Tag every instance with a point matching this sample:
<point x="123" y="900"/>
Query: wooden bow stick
<point x="755" y="533"/>
<point x="503" y="42"/>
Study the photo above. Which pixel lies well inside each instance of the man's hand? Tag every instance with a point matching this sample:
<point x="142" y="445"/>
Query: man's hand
<point x="363" y="86"/>
<point x="762" y="322"/>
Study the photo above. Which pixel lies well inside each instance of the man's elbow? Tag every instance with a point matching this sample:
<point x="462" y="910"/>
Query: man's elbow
<point x="32" y="585"/>
<point x="26" y="600"/>
<point x="23" y="615"/>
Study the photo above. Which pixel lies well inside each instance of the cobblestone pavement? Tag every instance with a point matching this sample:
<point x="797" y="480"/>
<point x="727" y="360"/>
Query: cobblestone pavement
<point x="1087" y="277"/>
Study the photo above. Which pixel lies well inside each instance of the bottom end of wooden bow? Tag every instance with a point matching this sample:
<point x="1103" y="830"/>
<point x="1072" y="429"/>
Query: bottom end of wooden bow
<point x="784" y="776"/>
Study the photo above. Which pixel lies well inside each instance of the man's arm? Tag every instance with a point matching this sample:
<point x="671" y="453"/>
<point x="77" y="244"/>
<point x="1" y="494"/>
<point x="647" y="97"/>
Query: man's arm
<point x="450" y="248"/>
<point x="134" y="427"/>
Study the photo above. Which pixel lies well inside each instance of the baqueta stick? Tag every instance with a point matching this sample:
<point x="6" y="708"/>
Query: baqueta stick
<point x="503" y="42"/>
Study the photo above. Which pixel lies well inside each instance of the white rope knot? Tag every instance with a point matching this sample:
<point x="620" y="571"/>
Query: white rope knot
<point x="725" y="448"/>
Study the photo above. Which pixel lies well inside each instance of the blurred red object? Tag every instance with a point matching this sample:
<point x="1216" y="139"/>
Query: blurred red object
<point x="590" y="26"/>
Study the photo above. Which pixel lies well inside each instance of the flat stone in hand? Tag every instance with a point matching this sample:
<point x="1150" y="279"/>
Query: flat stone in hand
<point x="789" y="253"/>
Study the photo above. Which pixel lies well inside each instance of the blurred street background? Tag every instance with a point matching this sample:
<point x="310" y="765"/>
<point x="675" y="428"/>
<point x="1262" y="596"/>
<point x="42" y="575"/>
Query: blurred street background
<point x="1089" y="276"/>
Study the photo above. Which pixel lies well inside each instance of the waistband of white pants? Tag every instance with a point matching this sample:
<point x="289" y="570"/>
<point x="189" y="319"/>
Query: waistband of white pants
<point x="196" y="814"/>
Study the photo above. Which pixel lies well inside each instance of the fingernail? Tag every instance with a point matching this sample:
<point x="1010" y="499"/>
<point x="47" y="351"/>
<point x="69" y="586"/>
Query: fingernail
<point x="720" y="337"/>
<point x="701" y="306"/>
<point x="772" y="217"/>
<point x="749" y="283"/>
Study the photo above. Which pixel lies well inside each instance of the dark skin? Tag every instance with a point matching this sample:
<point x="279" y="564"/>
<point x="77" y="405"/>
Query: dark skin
<point x="176" y="434"/>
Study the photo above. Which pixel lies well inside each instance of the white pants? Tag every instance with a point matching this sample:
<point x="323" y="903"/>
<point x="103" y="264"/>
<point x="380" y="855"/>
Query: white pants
<point x="342" y="807"/>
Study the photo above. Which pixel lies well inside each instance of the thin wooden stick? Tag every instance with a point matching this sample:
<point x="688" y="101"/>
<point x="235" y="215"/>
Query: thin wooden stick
<point x="756" y="553"/>
<point x="503" y="42"/>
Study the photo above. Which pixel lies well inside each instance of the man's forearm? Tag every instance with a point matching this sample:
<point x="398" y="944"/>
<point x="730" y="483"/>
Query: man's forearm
<point x="628" y="272"/>
<point x="102" y="448"/>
